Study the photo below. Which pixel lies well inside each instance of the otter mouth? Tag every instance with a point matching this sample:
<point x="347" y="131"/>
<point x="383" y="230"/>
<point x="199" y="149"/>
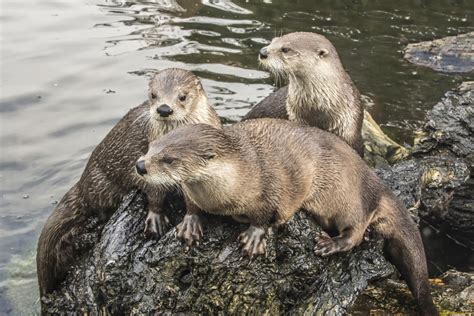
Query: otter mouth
<point x="276" y="68"/>
<point x="273" y="64"/>
<point x="167" y="119"/>
<point x="161" y="118"/>
<point x="161" y="181"/>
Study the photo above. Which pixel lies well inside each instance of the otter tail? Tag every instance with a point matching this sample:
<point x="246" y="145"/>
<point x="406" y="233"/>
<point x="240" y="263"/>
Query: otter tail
<point x="404" y="248"/>
<point x="55" y="252"/>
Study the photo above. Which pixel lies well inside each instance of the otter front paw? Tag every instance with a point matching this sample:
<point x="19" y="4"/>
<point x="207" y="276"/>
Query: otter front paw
<point x="253" y="242"/>
<point x="326" y="246"/>
<point x="190" y="230"/>
<point x="156" y="225"/>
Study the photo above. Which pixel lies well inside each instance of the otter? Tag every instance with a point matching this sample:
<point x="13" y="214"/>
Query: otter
<point x="263" y="171"/>
<point x="320" y="92"/>
<point x="176" y="97"/>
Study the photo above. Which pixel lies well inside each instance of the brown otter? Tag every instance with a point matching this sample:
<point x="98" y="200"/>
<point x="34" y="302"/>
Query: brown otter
<point x="263" y="171"/>
<point x="176" y="98"/>
<point x="320" y="92"/>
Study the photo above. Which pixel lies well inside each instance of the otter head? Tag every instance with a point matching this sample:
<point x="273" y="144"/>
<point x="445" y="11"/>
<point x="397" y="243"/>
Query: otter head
<point x="300" y="55"/>
<point x="182" y="155"/>
<point x="174" y="94"/>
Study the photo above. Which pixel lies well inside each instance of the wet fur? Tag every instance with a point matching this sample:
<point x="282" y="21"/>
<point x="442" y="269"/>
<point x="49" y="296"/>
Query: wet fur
<point x="275" y="167"/>
<point x="109" y="175"/>
<point x="320" y="92"/>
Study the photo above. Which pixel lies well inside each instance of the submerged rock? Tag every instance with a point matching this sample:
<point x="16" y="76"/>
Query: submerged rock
<point x="125" y="273"/>
<point x="448" y="54"/>
<point x="453" y="293"/>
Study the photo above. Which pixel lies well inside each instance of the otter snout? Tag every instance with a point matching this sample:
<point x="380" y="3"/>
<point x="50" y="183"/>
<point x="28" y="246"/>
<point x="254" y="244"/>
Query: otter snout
<point x="263" y="53"/>
<point x="164" y="110"/>
<point x="140" y="166"/>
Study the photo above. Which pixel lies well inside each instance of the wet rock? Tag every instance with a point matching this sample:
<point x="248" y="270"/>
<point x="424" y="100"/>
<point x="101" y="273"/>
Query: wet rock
<point x="453" y="293"/>
<point x="448" y="184"/>
<point x="379" y="149"/>
<point x="125" y="273"/>
<point x="448" y="54"/>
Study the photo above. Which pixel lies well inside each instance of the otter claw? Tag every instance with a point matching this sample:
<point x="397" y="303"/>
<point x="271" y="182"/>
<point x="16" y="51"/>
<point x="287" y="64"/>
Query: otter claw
<point x="253" y="242"/>
<point x="190" y="230"/>
<point x="156" y="225"/>
<point x="326" y="246"/>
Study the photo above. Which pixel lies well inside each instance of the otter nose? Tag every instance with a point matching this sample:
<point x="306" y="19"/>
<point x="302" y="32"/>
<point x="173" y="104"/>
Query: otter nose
<point x="164" y="110"/>
<point x="141" y="170"/>
<point x="263" y="53"/>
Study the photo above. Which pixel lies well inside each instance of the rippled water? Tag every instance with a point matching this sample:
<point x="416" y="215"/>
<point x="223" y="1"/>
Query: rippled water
<point x="71" y="69"/>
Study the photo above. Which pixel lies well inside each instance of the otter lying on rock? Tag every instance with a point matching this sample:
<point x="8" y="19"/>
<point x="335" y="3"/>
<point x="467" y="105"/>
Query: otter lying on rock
<point x="263" y="171"/>
<point x="176" y="98"/>
<point x="320" y="92"/>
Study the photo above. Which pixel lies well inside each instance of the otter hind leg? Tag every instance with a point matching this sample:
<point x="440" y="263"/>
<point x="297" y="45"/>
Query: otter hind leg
<point x="253" y="241"/>
<point x="345" y="241"/>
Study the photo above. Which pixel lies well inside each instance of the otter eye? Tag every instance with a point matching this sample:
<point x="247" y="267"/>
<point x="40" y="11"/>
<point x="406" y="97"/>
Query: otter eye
<point x="285" y="49"/>
<point x="167" y="160"/>
<point x="209" y="156"/>
<point x="182" y="97"/>
<point x="153" y="96"/>
<point x="323" y="53"/>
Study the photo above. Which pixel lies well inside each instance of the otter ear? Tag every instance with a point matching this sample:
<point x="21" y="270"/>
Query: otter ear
<point x="323" y="53"/>
<point x="150" y="82"/>
<point x="198" y="84"/>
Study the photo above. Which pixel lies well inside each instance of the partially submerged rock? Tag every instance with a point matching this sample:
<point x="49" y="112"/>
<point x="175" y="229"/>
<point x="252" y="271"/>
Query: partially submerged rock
<point x="379" y="149"/>
<point x="453" y="293"/>
<point x="125" y="273"/>
<point x="448" y="54"/>
<point x="448" y="135"/>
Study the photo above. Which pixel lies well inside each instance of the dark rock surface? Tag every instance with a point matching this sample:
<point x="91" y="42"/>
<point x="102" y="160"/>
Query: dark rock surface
<point x="448" y="184"/>
<point x="125" y="273"/>
<point x="448" y="54"/>
<point x="453" y="292"/>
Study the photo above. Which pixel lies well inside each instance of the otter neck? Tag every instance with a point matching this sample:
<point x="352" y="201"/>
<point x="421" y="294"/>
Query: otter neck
<point x="325" y="92"/>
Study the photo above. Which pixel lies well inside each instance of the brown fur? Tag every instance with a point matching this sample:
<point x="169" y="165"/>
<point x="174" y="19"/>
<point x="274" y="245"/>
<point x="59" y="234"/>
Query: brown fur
<point x="265" y="170"/>
<point x="320" y="92"/>
<point x="110" y="171"/>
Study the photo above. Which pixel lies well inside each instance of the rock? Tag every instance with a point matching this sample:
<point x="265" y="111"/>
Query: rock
<point x="453" y="293"/>
<point x="448" y="184"/>
<point x="379" y="149"/>
<point x="127" y="274"/>
<point x="448" y="54"/>
<point x="449" y="126"/>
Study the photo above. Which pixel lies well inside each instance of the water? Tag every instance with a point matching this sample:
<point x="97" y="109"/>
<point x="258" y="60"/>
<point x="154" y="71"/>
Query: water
<point x="71" y="69"/>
